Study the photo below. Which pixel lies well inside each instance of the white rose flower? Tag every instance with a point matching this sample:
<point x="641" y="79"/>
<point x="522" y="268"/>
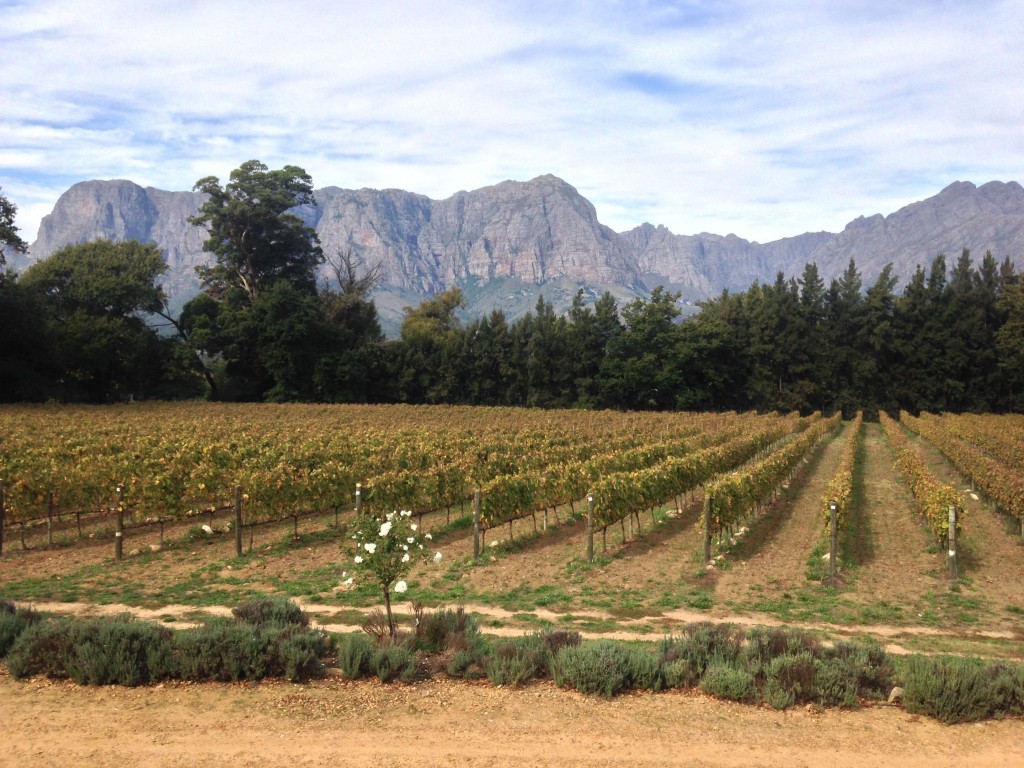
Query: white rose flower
<point x="358" y="559"/>
<point x="405" y="558"/>
<point x="385" y="529"/>
<point x="370" y="547"/>
<point x="401" y="586"/>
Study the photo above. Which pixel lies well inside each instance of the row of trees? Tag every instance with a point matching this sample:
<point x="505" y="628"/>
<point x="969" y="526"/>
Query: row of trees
<point x="952" y="341"/>
<point x="91" y="324"/>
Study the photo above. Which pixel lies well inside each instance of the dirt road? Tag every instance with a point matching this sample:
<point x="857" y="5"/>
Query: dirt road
<point x="443" y="723"/>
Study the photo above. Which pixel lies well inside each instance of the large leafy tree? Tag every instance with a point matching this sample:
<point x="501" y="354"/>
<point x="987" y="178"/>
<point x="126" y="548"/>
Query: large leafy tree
<point x="254" y="236"/>
<point x="640" y="373"/>
<point x="429" y="336"/>
<point x="95" y="299"/>
<point x="258" y="320"/>
<point x="9" y="237"/>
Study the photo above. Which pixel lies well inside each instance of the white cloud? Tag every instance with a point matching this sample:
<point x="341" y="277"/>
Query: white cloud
<point x="761" y="119"/>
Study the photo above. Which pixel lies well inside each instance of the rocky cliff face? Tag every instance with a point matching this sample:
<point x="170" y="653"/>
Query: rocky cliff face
<point x="985" y="218"/>
<point x="506" y="243"/>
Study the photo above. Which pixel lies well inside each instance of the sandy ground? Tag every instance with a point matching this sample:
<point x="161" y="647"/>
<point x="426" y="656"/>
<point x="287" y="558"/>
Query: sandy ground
<point x="444" y="723"/>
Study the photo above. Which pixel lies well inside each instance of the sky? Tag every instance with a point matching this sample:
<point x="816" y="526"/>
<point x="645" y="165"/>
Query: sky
<point x="762" y="119"/>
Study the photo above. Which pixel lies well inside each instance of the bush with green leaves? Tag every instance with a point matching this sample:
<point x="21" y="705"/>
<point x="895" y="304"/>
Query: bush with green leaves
<point x="443" y="629"/>
<point x="957" y="690"/>
<point x="225" y="650"/>
<point x="518" y="660"/>
<point x="705" y="643"/>
<point x="729" y="681"/>
<point x="271" y="610"/>
<point x="606" y="668"/>
<point x="763" y="644"/>
<point x="790" y="679"/>
<point x="354" y="650"/>
<point x="14" y="621"/>
<point x="103" y="651"/>
<point x="391" y="662"/>
<point x="869" y="662"/>
<point x="836" y="681"/>
<point x="468" y="665"/>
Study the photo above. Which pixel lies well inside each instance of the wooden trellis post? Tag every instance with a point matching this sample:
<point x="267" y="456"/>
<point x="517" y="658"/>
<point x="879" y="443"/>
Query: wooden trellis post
<point x="590" y="528"/>
<point x="952" y="543"/>
<point x="119" y="530"/>
<point x="832" y="537"/>
<point x="238" y="521"/>
<point x="707" y="529"/>
<point x="476" y="524"/>
<point x="3" y="515"/>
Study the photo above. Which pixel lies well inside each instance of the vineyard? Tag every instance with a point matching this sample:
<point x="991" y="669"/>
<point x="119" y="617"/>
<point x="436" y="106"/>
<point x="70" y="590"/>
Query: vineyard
<point x="594" y="520"/>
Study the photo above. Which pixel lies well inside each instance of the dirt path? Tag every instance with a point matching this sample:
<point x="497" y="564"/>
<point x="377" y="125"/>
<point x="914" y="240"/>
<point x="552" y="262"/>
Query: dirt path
<point x="896" y="566"/>
<point x="776" y="550"/>
<point x="444" y="723"/>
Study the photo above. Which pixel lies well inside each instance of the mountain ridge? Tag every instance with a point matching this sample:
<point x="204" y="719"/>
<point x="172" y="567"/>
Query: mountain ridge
<point x="514" y="240"/>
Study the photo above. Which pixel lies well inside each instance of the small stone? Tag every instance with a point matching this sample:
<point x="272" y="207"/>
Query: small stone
<point x="134" y="553"/>
<point x="155" y="547"/>
<point x="896" y="696"/>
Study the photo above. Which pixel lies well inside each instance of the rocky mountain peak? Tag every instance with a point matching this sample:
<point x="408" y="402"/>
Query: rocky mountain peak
<point x="506" y="243"/>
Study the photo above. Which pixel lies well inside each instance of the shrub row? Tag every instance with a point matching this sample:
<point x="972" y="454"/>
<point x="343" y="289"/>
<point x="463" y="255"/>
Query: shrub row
<point x="959" y="690"/>
<point x="258" y="643"/>
<point x="772" y="666"/>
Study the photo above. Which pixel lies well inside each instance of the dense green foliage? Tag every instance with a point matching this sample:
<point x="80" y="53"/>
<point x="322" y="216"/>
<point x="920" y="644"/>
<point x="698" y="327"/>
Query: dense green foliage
<point x="121" y="651"/>
<point x="263" y="329"/>
<point x="76" y="328"/>
<point x="768" y="665"/>
<point x="9" y="237"/>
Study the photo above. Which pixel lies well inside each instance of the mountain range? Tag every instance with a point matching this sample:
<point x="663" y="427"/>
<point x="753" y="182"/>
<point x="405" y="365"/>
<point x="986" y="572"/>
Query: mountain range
<point x="505" y="244"/>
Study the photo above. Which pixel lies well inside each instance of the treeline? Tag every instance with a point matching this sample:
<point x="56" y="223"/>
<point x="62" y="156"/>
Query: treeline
<point x="952" y="340"/>
<point x="90" y="324"/>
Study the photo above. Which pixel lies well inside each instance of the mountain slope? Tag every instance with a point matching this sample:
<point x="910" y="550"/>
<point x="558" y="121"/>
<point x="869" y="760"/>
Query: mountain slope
<point x="505" y="244"/>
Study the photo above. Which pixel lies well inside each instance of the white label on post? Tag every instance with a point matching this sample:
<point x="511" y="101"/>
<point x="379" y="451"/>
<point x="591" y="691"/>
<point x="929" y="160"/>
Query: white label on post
<point x="952" y="553"/>
<point x="117" y="534"/>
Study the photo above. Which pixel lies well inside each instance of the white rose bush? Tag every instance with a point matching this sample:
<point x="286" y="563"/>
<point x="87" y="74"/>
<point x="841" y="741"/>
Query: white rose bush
<point x="386" y="548"/>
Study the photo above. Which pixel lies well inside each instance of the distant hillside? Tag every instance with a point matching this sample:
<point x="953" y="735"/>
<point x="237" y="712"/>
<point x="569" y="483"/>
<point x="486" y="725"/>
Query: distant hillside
<point x="505" y="244"/>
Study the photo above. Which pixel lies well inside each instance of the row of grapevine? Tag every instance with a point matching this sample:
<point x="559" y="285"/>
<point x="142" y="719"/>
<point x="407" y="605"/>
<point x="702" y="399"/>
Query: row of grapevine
<point x="731" y="498"/>
<point x="840" y="487"/>
<point x="1000" y="437"/>
<point x="510" y="497"/>
<point x="174" y="460"/>
<point x="1001" y="484"/>
<point x="619" y="495"/>
<point x="933" y="497"/>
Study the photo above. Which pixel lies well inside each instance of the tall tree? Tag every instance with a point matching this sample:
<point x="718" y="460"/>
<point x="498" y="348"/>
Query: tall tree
<point x="591" y="331"/>
<point x="9" y="237"/>
<point x="254" y="237"/>
<point x="429" y="332"/>
<point x="97" y="296"/>
<point x="640" y="370"/>
<point x="257" y="242"/>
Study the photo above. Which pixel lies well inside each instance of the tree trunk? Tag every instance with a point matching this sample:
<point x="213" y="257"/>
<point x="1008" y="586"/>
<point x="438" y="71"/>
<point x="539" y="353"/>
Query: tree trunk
<point x="387" y="605"/>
